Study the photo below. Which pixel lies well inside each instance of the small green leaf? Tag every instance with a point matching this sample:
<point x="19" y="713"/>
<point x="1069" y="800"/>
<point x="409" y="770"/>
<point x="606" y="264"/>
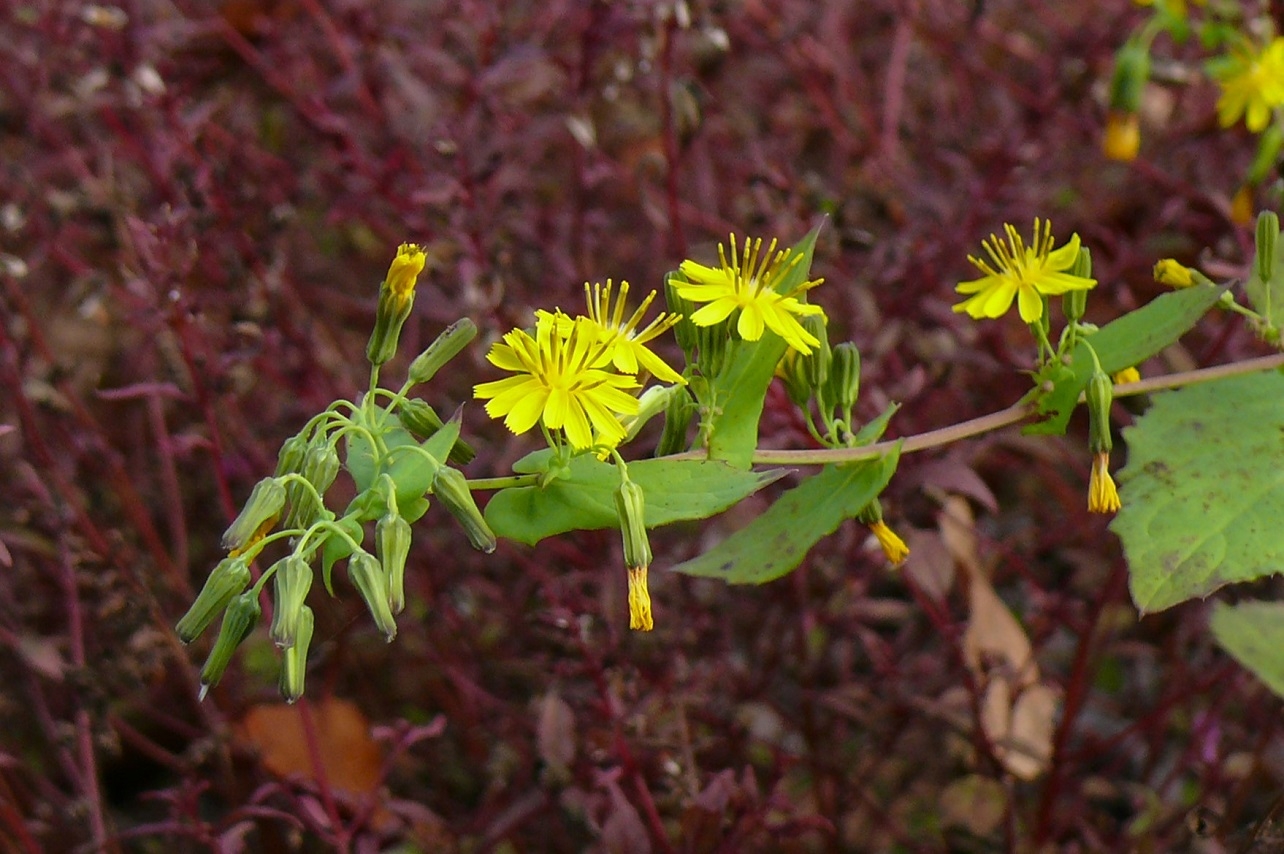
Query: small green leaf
<point x="1128" y="341"/>
<point x="1253" y="633"/>
<point x="1202" y="492"/>
<point x="777" y="541"/>
<point x="675" y="490"/>
<point x="741" y="388"/>
<point x="873" y="431"/>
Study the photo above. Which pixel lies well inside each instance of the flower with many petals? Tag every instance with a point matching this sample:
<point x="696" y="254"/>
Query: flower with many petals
<point x="1021" y="272"/>
<point x="1252" y="84"/>
<point x="749" y="284"/>
<point x="628" y="348"/>
<point x="562" y="380"/>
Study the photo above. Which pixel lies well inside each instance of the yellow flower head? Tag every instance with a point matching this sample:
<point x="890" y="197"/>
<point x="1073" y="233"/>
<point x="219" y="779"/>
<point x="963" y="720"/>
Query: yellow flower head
<point x="1127" y="375"/>
<point x="1021" y="272"/>
<point x="1122" y="138"/>
<point x="627" y="342"/>
<point x="1252" y="84"/>
<point x="893" y="546"/>
<point x="1102" y="495"/>
<point x="749" y="283"/>
<point x="1171" y="272"/>
<point x="639" y="601"/>
<point x="405" y="270"/>
<point x="561" y="380"/>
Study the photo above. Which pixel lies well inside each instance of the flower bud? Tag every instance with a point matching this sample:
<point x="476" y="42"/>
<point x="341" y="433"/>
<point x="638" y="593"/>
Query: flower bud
<point x="423" y="422"/>
<point x="447" y="346"/>
<point x="1132" y="71"/>
<point x="630" y="505"/>
<point x="290" y="585"/>
<point x="372" y="583"/>
<point x="294" y="662"/>
<point x="1099" y="395"/>
<point x="844" y="375"/>
<point x="684" y="331"/>
<point x="1268" y="234"/>
<point x="320" y="467"/>
<point x="451" y="487"/>
<point x="263" y="506"/>
<point x="239" y="619"/>
<point x="1075" y="302"/>
<point x="396" y="298"/>
<point x="228" y="578"/>
<point x="677" y="418"/>
<point x="711" y="347"/>
<point x="290" y="459"/>
<point x="793" y="373"/>
<point x="1168" y="271"/>
<point x="392" y="545"/>
<point x="817" y="363"/>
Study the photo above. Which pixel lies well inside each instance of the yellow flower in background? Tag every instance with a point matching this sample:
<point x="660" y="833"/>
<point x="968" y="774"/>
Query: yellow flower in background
<point x="1241" y="208"/>
<point x="1122" y="139"/>
<point x="561" y="381"/>
<point x="1171" y="272"/>
<point x="1103" y="497"/>
<point x="1252" y="84"/>
<point x="628" y="343"/>
<point x="1021" y="272"/>
<point x="748" y="284"/>
<point x="1127" y="375"/>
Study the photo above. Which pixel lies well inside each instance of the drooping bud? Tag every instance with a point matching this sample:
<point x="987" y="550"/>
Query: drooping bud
<point x="451" y="487"/>
<point x="1103" y="497"/>
<point x="453" y="339"/>
<point x="677" y="418"/>
<point x="320" y="468"/>
<point x="372" y="583"/>
<point x="1099" y="395"/>
<point x="1128" y="83"/>
<point x="894" y="548"/>
<point x="294" y="662"/>
<point x="290" y="585"/>
<point x="630" y="505"/>
<point x="684" y="331"/>
<point x="290" y="459"/>
<point x="228" y="578"/>
<point x="239" y="619"/>
<point x="392" y="545"/>
<point x="423" y="422"/>
<point x="396" y="298"/>
<point x="844" y="375"/>
<point x="1268" y="235"/>
<point x="263" y="506"/>
<point x="652" y="402"/>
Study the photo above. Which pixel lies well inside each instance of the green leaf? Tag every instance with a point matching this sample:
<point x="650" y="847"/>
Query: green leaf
<point x="741" y="388"/>
<point x="1203" y="492"/>
<point x="585" y="500"/>
<point x="873" y="431"/>
<point x="777" y="541"/>
<point x="411" y="470"/>
<point x="1125" y="343"/>
<point x="1253" y="633"/>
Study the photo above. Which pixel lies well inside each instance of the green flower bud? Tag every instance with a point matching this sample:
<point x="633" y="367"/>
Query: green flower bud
<point x="294" y="662"/>
<point x="396" y="298"/>
<point x="229" y="578"/>
<point x="423" y="422"/>
<point x="290" y="459"/>
<point x="239" y="619"/>
<point x="452" y="488"/>
<point x="1099" y="394"/>
<point x="792" y="370"/>
<point x="448" y="345"/>
<point x="1268" y="234"/>
<point x="1132" y="71"/>
<point x="844" y="375"/>
<point x="818" y="362"/>
<point x="685" y="330"/>
<point x="1075" y="302"/>
<point x="1268" y="155"/>
<point x="291" y="582"/>
<point x="871" y="513"/>
<point x="630" y="504"/>
<point x="677" y="418"/>
<point x="392" y="545"/>
<point x="263" y="506"/>
<point x="711" y="346"/>
<point x="320" y="468"/>
<point x="372" y="583"/>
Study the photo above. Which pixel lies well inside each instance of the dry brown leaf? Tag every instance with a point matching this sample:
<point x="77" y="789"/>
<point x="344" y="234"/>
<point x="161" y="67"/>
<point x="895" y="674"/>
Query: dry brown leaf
<point x="555" y="733"/>
<point x="929" y="564"/>
<point x="350" y="758"/>
<point x="958" y="531"/>
<point x="974" y="802"/>
<point x="995" y="643"/>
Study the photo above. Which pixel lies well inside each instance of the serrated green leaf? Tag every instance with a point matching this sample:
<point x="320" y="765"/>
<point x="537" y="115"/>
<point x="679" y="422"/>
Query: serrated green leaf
<point x="1128" y="341"/>
<point x="741" y="388"/>
<point x="1203" y="492"/>
<point x="777" y="541"/>
<point x="675" y="490"/>
<point x="1253" y="633"/>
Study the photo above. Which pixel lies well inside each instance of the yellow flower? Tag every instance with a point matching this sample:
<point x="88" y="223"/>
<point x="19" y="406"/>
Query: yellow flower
<point x="893" y="546"/>
<point x="1252" y="84"/>
<point x="639" y="601"/>
<point x="1127" y="375"/>
<point x="627" y="342"/>
<point x="1171" y="272"/>
<point x="1241" y="209"/>
<point x="1022" y="273"/>
<point x="405" y="270"/>
<point x="749" y="283"/>
<point x="1122" y="138"/>
<point x="1102" y="495"/>
<point x="561" y="380"/>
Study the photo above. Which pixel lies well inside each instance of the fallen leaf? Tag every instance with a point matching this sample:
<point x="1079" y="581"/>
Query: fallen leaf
<point x="350" y="758"/>
<point x="974" y="802"/>
<point x="555" y="732"/>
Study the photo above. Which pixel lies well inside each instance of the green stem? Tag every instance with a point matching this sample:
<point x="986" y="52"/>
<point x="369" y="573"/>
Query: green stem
<point x="503" y="482"/>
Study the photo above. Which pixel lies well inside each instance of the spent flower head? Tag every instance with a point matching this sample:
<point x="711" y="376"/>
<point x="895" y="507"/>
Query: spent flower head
<point x="1252" y="83"/>
<point x="749" y="283"/>
<point x="1021" y="272"/>
<point x="562" y="380"/>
